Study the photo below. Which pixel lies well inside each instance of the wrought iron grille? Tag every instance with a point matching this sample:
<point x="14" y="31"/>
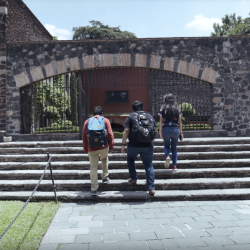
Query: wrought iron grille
<point x="51" y="106"/>
<point x="192" y="95"/>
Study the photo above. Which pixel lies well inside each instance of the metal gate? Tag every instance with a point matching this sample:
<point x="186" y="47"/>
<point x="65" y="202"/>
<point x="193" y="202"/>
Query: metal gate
<point x="52" y="105"/>
<point x="192" y="95"/>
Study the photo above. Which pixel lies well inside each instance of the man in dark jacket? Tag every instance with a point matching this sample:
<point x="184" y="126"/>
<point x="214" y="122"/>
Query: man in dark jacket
<point x="94" y="153"/>
<point x="145" y="149"/>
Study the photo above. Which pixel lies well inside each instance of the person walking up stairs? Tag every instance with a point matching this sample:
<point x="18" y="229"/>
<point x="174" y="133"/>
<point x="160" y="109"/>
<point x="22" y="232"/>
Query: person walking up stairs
<point x="140" y="128"/>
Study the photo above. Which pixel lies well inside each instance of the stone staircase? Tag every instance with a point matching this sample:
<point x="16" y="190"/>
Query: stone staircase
<point x="208" y="169"/>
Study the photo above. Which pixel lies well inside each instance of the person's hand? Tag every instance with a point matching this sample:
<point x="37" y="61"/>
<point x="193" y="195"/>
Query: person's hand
<point x="161" y="136"/>
<point x="110" y="151"/>
<point x="181" y="137"/>
<point x="123" y="149"/>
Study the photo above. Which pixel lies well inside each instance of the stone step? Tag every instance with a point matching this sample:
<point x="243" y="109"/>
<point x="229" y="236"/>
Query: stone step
<point x="117" y="149"/>
<point x="122" y="185"/>
<point x="124" y="174"/>
<point x="136" y="196"/>
<point x="84" y="165"/>
<point x="122" y="157"/>
<point x="78" y="143"/>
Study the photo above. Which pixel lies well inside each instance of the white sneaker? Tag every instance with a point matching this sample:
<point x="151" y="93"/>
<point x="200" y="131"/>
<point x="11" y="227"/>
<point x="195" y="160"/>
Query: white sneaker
<point x="167" y="163"/>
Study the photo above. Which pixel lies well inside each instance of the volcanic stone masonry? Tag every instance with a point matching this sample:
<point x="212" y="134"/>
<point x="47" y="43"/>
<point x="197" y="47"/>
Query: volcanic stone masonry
<point x="221" y="61"/>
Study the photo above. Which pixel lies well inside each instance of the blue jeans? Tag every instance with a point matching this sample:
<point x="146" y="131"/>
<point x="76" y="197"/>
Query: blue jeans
<point x="147" y="159"/>
<point x="171" y="136"/>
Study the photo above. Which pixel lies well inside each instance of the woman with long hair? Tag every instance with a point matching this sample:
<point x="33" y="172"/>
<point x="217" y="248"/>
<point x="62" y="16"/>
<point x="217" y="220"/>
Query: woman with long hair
<point x="170" y="128"/>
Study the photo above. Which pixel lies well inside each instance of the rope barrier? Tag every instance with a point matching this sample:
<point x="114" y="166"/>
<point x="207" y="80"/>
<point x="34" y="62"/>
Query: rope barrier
<point x="26" y="203"/>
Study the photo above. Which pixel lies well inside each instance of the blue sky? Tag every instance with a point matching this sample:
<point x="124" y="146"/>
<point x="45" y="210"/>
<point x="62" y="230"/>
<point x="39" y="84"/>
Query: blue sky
<point x="145" y="18"/>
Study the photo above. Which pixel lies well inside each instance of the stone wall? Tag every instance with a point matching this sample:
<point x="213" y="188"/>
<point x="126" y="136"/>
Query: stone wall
<point x="22" y="24"/>
<point x="221" y="61"/>
<point x="3" y="14"/>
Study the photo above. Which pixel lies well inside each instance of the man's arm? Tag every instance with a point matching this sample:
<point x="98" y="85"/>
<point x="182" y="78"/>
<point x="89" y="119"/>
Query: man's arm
<point x="84" y="138"/>
<point x="110" y="134"/>
<point x="124" y="138"/>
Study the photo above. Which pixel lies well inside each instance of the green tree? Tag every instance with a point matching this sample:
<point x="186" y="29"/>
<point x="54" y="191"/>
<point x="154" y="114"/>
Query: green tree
<point x="232" y="25"/>
<point x="74" y="99"/>
<point x="98" y="30"/>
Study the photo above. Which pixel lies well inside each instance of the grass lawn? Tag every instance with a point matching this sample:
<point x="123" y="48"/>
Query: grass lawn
<point x="27" y="231"/>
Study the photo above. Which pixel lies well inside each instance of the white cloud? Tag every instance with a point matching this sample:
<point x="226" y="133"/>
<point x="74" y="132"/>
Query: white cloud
<point x="203" y="23"/>
<point x="62" y="34"/>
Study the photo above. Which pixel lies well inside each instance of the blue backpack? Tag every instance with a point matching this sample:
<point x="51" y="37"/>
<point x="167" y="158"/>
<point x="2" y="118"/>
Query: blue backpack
<point x="96" y="135"/>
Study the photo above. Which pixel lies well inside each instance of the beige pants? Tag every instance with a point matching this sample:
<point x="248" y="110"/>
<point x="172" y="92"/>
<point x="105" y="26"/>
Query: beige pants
<point x="93" y="159"/>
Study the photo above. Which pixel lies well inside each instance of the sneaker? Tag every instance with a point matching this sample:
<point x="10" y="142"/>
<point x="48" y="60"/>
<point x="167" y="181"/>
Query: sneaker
<point x="133" y="182"/>
<point x="174" y="168"/>
<point x="151" y="191"/>
<point x="106" y="180"/>
<point x="93" y="193"/>
<point x="167" y="163"/>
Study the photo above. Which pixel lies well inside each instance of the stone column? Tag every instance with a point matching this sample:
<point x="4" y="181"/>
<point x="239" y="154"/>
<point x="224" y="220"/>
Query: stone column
<point x="3" y="17"/>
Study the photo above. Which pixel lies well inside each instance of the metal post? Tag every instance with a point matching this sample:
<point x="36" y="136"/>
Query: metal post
<point x="52" y="178"/>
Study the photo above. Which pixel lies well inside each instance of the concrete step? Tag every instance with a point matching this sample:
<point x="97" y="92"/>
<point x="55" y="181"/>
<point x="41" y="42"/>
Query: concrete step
<point x="84" y="165"/>
<point x="124" y="174"/>
<point x="186" y="141"/>
<point x="122" y="185"/>
<point x="123" y="157"/>
<point x="117" y="149"/>
<point x="126" y="196"/>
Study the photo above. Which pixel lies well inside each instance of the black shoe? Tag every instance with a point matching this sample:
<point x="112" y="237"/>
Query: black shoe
<point x="106" y="180"/>
<point x="93" y="193"/>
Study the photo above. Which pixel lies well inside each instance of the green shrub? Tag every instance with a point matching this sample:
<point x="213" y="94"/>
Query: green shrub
<point x="187" y="109"/>
<point x="196" y="127"/>
<point x="117" y="135"/>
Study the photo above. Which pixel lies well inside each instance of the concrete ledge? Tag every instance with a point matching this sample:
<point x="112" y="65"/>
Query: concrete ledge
<point x="4" y="10"/>
<point x="204" y="133"/>
<point x="45" y="137"/>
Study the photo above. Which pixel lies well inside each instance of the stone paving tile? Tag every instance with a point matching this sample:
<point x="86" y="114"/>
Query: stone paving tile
<point x="237" y="247"/>
<point x="191" y="209"/>
<point x="206" y="213"/>
<point x="155" y="245"/>
<point x="101" y="230"/>
<point x="166" y="215"/>
<point x="104" y="217"/>
<point x="223" y="223"/>
<point x="138" y="222"/>
<point x="67" y="231"/>
<point x="171" y="209"/>
<point x="242" y="223"/>
<point x="143" y="236"/>
<point x="89" y="238"/>
<point x="224" y="212"/>
<point x="205" y="218"/>
<point x="140" y="206"/>
<point x="191" y="242"/>
<point x="160" y="221"/>
<point x="187" y="214"/>
<point x="152" y="210"/>
<point x="150" y="228"/>
<point x="89" y="213"/>
<point x="154" y="204"/>
<point x="116" y="237"/>
<point x="131" y="211"/>
<point x="241" y="230"/>
<point x="146" y="216"/>
<point x="210" y="208"/>
<point x="125" y="217"/>
<point x="183" y="220"/>
<point x="74" y="247"/>
<point x="126" y="229"/>
<point x="102" y="246"/>
<point x="80" y="218"/>
<point x="101" y="208"/>
<point x="228" y="207"/>
<point x="114" y="223"/>
<point x="227" y="217"/>
<point x="52" y="239"/>
<point x="48" y="247"/>
<point x="243" y="216"/>
<point x="240" y="239"/>
<point x="111" y="212"/>
<point x="123" y="207"/>
<point x="217" y="241"/>
<point x="169" y="244"/>
<point x="219" y="231"/>
<point x="195" y="203"/>
<point x="176" y="204"/>
<point x="169" y="233"/>
<point x="83" y="209"/>
<point x="61" y="218"/>
<point x="63" y="224"/>
<point x="133" y="245"/>
<point x="195" y="225"/>
<point x="86" y="224"/>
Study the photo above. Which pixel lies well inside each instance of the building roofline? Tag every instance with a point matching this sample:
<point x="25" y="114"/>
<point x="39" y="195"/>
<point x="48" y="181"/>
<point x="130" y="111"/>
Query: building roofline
<point x="37" y="20"/>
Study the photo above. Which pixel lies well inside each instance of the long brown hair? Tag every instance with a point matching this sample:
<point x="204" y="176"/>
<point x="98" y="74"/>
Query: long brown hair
<point x="170" y="109"/>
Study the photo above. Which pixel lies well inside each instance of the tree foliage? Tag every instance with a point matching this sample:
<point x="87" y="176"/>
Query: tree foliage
<point x="232" y="25"/>
<point x="98" y="30"/>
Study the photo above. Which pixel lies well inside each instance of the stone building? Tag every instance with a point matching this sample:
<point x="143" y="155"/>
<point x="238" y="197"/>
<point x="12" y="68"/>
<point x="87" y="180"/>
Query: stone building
<point x="211" y="73"/>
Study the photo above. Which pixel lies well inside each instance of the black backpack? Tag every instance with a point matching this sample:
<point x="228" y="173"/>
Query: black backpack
<point x="144" y="127"/>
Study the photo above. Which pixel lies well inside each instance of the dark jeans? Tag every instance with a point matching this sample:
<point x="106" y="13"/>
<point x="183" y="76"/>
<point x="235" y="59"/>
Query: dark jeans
<point x="171" y="136"/>
<point x="147" y="159"/>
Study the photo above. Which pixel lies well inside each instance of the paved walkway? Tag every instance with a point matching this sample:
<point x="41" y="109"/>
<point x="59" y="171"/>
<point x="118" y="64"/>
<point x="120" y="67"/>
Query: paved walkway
<point x="197" y="225"/>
